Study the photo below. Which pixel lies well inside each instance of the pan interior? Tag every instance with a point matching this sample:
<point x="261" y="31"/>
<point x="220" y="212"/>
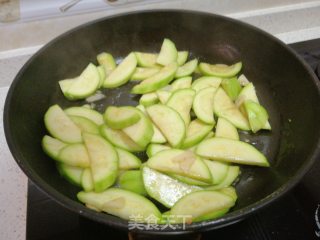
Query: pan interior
<point x="283" y="85"/>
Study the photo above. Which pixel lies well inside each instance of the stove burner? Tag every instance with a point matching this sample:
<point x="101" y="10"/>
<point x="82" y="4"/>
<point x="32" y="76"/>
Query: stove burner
<point x="310" y="52"/>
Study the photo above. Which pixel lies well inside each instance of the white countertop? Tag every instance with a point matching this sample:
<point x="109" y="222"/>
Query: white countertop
<point x="13" y="189"/>
<point x="13" y="183"/>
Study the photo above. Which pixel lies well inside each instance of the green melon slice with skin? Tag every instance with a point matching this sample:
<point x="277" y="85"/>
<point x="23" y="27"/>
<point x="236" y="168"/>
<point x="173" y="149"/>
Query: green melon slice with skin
<point x="228" y="150"/>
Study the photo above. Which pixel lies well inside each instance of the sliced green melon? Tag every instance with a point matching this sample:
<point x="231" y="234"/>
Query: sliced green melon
<point x="220" y="70"/>
<point x="169" y="122"/>
<point x="119" y="139"/>
<point x="163" y="188"/>
<point x="224" y="107"/>
<point x="168" y="53"/>
<point x="122" y="73"/>
<point x="103" y="161"/>
<point x="121" y="203"/>
<point x="157" y="81"/>
<point x="181" y="100"/>
<point x="180" y="162"/>
<point x="228" y="150"/>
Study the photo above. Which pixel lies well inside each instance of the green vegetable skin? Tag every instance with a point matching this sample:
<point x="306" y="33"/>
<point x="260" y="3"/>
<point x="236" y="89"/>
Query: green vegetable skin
<point x="169" y="122"/>
<point x="132" y="181"/>
<point x="192" y="170"/>
<point x="84" y="85"/>
<point x="180" y="162"/>
<point x="121" y="74"/>
<point x="121" y="203"/>
<point x="103" y="161"/>
<point x="202" y="205"/>
<point x="157" y="81"/>
<point x="121" y="117"/>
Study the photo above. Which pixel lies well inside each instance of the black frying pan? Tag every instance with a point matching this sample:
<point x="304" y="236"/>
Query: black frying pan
<point x="286" y="86"/>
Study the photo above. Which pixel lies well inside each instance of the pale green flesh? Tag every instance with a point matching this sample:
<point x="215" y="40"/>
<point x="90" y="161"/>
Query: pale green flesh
<point x="203" y="105"/>
<point x="163" y="95"/>
<point x="140" y="132"/>
<point x="243" y="80"/>
<point x="107" y="61"/>
<point x="146" y="59"/>
<point x="194" y="147"/>
<point x="201" y="203"/>
<point x="188" y="180"/>
<point x="228" y="150"/>
<point x="143" y="73"/>
<point x="148" y="99"/>
<point x="86" y="180"/>
<point x="187" y="69"/>
<point x="249" y="93"/>
<point x="210" y="135"/>
<point x="103" y="161"/>
<point x="182" y="57"/>
<point x="121" y="203"/>
<point x="231" y="176"/>
<point x="86" y="84"/>
<point x="52" y="146"/>
<point x="72" y="174"/>
<point x="168" y="53"/>
<point x="122" y="73"/>
<point x="157" y="81"/>
<point x="120" y="139"/>
<point x="205" y="82"/>
<point x="85" y="124"/>
<point x="166" y="218"/>
<point x="181" y="101"/>
<point x="218" y="170"/>
<point x="75" y="155"/>
<point x="232" y="87"/>
<point x="225" y="129"/>
<point x="163" y="188"/>
<point x="169" y="123"/>
<point x="157" y="136"/>
<point x="65" y="85"/>
<point x="230" y="191"/>
<point x="154" y="148"/>
<point x="257" y="115"/>
<point x="102" y="75"/>
<point x="220" y="70"/>
<point x="224" y="107"/>
<point x="61" y="126"/>
<point x="91" y="114"/>
<point x="121" y="117"/>
<point x="180" y="162"/>
<point x="213" y="215"/>
<point x="132" y="181"/>
<point x="127" y="160"/>
<point x="196" y="132"/>
<point x="180" y="83"/>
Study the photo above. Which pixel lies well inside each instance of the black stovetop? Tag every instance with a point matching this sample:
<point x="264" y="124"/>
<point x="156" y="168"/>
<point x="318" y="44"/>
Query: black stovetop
<point x="291" y="217"/>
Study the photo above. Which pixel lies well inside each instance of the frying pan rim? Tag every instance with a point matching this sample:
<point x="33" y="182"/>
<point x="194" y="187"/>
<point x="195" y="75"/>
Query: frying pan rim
<point x="119" y="223"/>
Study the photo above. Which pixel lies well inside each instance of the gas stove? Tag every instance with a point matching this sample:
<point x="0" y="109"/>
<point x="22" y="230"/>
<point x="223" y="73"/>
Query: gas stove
<point x="294" y="216"/>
